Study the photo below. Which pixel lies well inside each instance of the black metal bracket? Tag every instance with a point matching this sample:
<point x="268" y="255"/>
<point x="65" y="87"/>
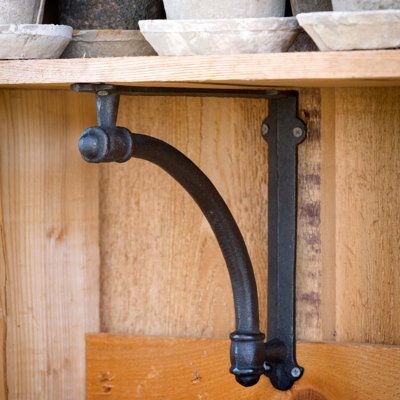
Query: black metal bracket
<point x="284" y="131"/>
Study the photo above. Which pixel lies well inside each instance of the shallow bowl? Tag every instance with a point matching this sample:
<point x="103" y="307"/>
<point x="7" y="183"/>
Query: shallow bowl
<point x="223" y="36"/>
<point x="31" y="41"/>
<point x="363" y="30"/>
<point x="365" y="5"/>
<point x="107" y="43"/>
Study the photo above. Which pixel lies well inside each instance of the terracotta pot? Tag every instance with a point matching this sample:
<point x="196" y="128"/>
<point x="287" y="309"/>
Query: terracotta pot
<point x="108" y="14"/>
<point x="21" y="11"/>
<point x="364" y="5"/>
<point x="221" y="9"/>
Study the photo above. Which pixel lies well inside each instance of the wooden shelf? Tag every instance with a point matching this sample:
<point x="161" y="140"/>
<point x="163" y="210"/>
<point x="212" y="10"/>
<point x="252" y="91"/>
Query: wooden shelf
<point x="358" y="68"/>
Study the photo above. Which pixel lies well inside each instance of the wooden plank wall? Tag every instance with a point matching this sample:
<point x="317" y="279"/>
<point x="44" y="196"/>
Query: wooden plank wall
<point x="174" y="276"/>
<point x="362" y="141"/>
<point x="161" y="270"/>
<point x="49" y="239"/>
<point x="348" y="252"/>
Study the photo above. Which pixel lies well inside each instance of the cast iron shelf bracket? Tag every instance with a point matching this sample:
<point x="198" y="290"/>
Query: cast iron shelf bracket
<point x="251" y="356"/>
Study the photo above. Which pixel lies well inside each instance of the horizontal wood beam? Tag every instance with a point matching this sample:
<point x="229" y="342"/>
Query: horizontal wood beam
<point x="311" y="69"/>
<point x="124" y="367"/>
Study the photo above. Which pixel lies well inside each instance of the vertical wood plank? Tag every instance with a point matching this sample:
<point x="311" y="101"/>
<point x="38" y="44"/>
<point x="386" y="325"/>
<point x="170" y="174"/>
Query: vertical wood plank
<point x="328" y="215"/>
<point x="3" y="310"/>
<point x="50" y="239"/>
<point x="367" y="142"/>
<point x="309" y="317"/>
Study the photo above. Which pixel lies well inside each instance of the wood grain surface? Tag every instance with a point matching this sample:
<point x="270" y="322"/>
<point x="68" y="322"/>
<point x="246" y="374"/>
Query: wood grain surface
<point x="310" y="320"/>
<point x="162" y="270"/>
<point x="327" y="290"/>
<point x="3" y="311"/>
<point x="127" y="368"/>
<point x="49" y="240"/>
<point x="367" y="165"/>
<point x="309" y="69"/>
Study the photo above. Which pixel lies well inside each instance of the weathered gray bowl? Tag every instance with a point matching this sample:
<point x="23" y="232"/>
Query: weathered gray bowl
<point x="33" y="41"/>
<point x="364" y="5"/>
<point x="363" y="30"/>
<point x="224" y="36"/>
<point x="108" y="43"/>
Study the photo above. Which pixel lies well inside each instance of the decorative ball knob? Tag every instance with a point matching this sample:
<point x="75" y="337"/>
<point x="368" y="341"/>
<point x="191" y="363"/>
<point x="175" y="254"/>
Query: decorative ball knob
<point x="94" y="145"/>
<point x="106" y="144"/>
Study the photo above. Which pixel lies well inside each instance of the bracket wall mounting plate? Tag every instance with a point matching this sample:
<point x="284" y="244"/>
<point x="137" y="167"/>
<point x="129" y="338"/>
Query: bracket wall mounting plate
<point x="284" y="132"/>
<point x="251" y="357"/>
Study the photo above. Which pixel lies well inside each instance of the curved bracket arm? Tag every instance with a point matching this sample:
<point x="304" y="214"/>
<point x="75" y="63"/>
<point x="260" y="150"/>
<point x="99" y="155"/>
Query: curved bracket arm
<point x="107" y="143"/>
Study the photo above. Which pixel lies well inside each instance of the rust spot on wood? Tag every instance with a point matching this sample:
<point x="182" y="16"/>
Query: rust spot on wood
<point x="311" y="179"/>
<point x="312" y="298"/>
<point x="312" y="212"/>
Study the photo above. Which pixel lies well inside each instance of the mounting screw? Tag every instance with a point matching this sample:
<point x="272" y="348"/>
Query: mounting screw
<point x="296" y="372"/>
<point x="297" y="132"/>
<point x="267" y="367"/>
<point x="102" y="93"/>
<point x="265" y="129"/>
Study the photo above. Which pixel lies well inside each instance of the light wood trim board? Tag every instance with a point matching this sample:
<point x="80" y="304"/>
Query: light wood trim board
<point x="312" y="69"/>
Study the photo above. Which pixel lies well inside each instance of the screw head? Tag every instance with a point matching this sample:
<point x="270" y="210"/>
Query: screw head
<point x="267" y="367"/>
<point x="102" y="93"/>
<point x="297" y="132"/>
<point x="265" y="129"/>
<point x="296" y="372"/>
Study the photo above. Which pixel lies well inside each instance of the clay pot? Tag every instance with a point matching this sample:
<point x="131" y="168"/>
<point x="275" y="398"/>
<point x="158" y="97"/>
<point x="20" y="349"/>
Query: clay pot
<point x="364" y="5"/>
<point x="108" y="14"/>
<point x="227" y="36"/>
<point x="108" y="43"/>
<point x="222" y="9"/>
<point x="353" y="30"/>
<point x="33" y="41"/>
<point x="21" y="11"/>
<point x="306" y="6"/>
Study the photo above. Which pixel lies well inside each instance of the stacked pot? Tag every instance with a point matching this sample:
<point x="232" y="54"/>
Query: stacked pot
<point x="108" y="27"/>
<point x="22" y="35"/>
<point x="221" y="27"/>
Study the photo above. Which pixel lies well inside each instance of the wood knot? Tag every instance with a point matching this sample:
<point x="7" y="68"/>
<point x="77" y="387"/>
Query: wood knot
<point x="106" y="384"/>
<point x="56" y="233"/>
